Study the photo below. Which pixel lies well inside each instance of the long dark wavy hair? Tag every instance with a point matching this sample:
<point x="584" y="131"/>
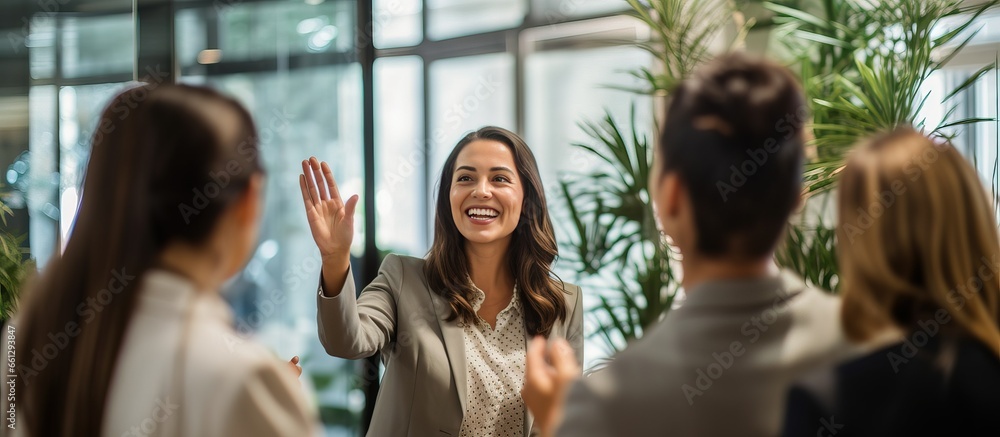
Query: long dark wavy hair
<point x="154" y="149"/>
<point x="530" y="255"/>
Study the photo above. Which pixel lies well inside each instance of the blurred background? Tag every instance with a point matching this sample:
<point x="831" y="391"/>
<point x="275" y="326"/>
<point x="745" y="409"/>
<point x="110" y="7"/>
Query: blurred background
<point x="383" y="89"/>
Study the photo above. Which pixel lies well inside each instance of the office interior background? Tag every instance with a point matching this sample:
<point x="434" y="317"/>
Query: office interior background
<point x="382" y="89"/>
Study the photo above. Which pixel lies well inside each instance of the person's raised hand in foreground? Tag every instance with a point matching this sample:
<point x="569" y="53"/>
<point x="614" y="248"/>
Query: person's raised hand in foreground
<point x="548" y="375"/>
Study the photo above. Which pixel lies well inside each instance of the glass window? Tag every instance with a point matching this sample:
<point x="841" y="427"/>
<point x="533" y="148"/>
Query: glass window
<point x="41" y="43"/>
<point x="566" y="87"/>
<point x="553" y="11"/>
<point x="43" y="179"/>
<point x="397" y="23"/>
<point x="452" y="18"/>
<point x="63" y="118"/>
<point x="984" y="151"/>
<point x="399" y="151"/>
<point x="80" y="109"/>
<point x="265" y="30"/>
<point x="97" y="45"/>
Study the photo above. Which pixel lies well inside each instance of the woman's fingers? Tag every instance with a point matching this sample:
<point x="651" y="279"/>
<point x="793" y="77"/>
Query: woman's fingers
<point x="307" y="199"/>
<point x="318" y="176"/>
<point x="309" y="182"/>
<point x="349" y="208"/>
<point x="331" y="183"/>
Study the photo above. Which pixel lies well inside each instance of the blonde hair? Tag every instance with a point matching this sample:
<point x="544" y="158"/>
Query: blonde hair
<point x="917" y="234"/>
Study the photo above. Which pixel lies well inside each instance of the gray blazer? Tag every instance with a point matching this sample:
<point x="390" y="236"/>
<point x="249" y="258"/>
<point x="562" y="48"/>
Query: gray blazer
<point x="423" y="391"/>
<point x="719" y="365"/>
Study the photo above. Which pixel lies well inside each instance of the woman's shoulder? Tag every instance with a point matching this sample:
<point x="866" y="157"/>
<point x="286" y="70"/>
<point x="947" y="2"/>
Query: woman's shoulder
<point x="570" y="288"/>
<point x="403" y="266"/>
<point x="404" y="260"/>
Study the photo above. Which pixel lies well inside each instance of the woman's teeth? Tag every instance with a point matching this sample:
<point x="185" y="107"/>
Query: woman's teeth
<point x="482" y="213"/>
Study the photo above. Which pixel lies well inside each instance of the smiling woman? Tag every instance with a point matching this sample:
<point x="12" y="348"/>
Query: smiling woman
<point x="452" y="329"/>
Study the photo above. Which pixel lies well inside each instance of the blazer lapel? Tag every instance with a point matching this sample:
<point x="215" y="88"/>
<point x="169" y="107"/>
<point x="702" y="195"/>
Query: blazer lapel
<point x="454" y="343"/>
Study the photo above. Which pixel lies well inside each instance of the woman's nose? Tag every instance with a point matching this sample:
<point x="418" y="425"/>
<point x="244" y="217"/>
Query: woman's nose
<point x="481" y="191"/>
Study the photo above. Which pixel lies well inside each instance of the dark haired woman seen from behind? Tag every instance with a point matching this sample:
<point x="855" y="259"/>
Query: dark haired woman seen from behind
<point x="919" y="258"/>
<point x="143" y="342"/>
<point x="452" y="329"/>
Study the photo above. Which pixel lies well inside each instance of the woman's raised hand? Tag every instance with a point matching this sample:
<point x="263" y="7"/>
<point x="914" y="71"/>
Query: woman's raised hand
<point x="331" y="220"/>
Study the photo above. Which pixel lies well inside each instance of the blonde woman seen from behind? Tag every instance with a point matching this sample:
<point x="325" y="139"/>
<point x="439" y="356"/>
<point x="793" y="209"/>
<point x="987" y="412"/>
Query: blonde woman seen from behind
<point x="919" y="258"/>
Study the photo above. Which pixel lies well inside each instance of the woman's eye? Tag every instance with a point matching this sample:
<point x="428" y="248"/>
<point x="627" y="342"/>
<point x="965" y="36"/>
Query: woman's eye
<point x="464" y="178"/>
<point x="501" y="179"/>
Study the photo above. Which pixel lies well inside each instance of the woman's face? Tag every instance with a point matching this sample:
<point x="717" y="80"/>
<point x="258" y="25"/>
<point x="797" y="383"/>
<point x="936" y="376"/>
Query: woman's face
<point x="486" y="192"/>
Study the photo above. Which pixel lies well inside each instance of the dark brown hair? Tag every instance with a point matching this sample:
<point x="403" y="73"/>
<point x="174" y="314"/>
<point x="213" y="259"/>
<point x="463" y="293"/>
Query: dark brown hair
<point x="161" y="170"/>
<point x="734" y="135"/>
<point x="530" y="256"/>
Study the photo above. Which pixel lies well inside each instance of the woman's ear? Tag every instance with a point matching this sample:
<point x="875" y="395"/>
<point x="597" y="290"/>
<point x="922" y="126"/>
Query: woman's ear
<point x="248" y="207"/>
<point x="671" y="192"/>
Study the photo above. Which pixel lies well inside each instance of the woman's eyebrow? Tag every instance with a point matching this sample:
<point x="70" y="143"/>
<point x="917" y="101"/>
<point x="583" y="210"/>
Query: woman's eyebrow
<point x="473" y="169"/>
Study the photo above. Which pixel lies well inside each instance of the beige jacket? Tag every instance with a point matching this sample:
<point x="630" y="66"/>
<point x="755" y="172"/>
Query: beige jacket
<point x="205" y="382"/>
<point x="720" y="365"/>
<point x="423" y="392"/>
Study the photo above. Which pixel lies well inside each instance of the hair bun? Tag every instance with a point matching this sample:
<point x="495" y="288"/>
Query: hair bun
<point x="739" y="98"/>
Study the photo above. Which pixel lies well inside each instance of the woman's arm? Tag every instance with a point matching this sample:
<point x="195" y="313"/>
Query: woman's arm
<point x="357" y="327"/>
<point x="349" y="326"/>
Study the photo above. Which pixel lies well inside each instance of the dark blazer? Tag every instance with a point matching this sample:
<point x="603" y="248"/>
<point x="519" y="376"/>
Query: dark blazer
<point x="423" y="392"/>
<point x="947" y="387"/>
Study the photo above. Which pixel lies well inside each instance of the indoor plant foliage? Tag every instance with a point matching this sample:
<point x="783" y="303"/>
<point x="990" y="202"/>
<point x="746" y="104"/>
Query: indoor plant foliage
<point x="864" y="65"/>
<point x="611" y="236"/>
<point x="13" y="266"/>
